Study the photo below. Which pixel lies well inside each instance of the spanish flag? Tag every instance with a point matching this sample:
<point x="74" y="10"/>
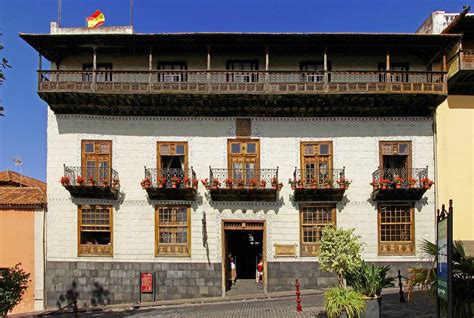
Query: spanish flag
<point x="96" y="19"/>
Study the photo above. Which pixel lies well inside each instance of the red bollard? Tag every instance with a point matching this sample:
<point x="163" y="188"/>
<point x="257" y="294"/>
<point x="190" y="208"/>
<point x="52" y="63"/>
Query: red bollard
<point x="298" y="299"/>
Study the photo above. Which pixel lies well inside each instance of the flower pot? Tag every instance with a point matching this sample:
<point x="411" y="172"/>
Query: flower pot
<point x="215" y="187"/>
<point x="427" y="185"/>
<point x="398" y="185"/>
<point x="373" y="307"/>
<point x="342" y="186"/>
<point x="383" y="187"/>
<point x="346" y="186"/>
<point x="314" y="186"/>
<point x="91" y="184"/>
<point x="174" y="185"/>
<point x="228" y="186"/>
<point x="411" y="186"/>
<point x="327" y="186"/>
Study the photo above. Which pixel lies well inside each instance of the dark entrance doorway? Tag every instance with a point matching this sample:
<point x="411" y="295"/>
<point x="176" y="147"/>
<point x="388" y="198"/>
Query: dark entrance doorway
<point x="244" y="241"/>
<point x="245" y="247"/>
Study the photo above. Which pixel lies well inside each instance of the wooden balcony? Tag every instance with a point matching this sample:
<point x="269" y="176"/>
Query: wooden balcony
<point x="170" y="184"/>
<point x="257" y="185"/>
<point x="400" y="184"/>
<point x="91" y="183"/>
<point x="311" y="185"/>
<point x="229" y="93"/>
<point x="461" y="73"/>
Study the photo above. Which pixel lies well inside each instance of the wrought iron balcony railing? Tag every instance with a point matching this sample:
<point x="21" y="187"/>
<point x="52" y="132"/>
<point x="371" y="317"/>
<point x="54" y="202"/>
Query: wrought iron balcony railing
<point x="317" y="178"/>
<point x="90" y="176"/>
<point x="399" y="178"/>
<point x="220" y="178"/>
<point x="275" y="82"/>
<point x="170" y="178"/>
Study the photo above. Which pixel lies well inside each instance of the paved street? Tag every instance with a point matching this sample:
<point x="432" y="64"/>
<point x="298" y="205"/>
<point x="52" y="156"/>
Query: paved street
<point x="421" y="306"/>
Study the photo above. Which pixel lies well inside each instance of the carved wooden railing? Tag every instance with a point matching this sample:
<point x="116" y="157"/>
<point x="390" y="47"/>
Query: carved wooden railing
<point x="276" y="82"/>
<point x="461" y="61"/>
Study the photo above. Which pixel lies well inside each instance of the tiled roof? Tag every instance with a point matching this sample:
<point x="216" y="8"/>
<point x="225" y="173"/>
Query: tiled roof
<point x="17" y="190"/>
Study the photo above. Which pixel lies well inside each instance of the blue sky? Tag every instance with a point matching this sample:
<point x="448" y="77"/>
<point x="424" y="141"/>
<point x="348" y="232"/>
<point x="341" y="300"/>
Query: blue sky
<point x="23" y="130"/>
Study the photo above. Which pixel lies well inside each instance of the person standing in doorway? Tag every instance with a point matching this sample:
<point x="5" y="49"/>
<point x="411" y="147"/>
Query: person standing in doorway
<point x="233" y="270"/>
<point x="259" y="278"/>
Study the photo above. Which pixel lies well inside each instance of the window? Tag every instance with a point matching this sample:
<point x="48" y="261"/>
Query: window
<point x="172" y="160"/>
<point x="103" y="72"/>
<point x="395" y="159"/>
<point x="243" y="159"/>
<point x="97" y="160"/>
<point x="173" y="72"/>
<point x="173" y="230"/>
<point x="312" y="221"/>
<point x="396" y="229"/>
<point x="242" y="71"/>
<point x="316" y="162"/>
<point x="95" y="230"/>
<point x="397" y="72"/>
<point x="314" y="71"/>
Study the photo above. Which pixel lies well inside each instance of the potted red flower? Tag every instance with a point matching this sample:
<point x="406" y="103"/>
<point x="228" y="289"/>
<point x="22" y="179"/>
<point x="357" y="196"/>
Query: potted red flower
<point x="280" y="186"/>
<point x="80" y="180"/>
<point x="145" y="183"/>
<point x="216" y="183"/>
<point x="195" y="184"/>
<point x="205" y="183"/>
<point x="228" y="183"/>
<point x="187" y="182"/>
<point x="161" y="182"/>
<point x="65" y="180"/>
<point x="343" y="183"/>
<point x="374" y="184"/>
<point x="427" y="183"/>
<point x="384" y="183"/>
<point x="253" y="183"/>
<point x="397" y="181"/>
<point x="274" y="183"/>
<point x="175" y="181"/>
<point x="412" y="182"/>
<point x="92" y="181"/>
<point x="314" y="183"/>
<point x="263" y="184"/>
<point x="299" y="184"/>
<point x="327" y="183"/>
<point x="104" y="182"/>
<point x="241" y="183"/>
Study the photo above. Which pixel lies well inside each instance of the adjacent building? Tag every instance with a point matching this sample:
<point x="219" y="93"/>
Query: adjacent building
<point x="22" y="228"/>
<point x="455" y="124"/>
<point x="176" y="152"/>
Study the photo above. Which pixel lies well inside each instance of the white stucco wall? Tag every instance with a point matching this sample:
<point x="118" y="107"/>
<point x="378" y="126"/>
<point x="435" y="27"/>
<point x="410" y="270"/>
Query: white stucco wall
<point x="355" y="146"/>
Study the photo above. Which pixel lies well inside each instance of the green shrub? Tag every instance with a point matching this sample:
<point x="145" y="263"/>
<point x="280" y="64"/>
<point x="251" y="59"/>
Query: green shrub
<point x="339" y="252"/>
<point x="369" y="279"/>
<point x="340" y="299"/>
<point x="13" y="284"/>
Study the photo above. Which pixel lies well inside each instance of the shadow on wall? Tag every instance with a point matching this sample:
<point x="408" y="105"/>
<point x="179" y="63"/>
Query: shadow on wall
<point x="100" y="296"/>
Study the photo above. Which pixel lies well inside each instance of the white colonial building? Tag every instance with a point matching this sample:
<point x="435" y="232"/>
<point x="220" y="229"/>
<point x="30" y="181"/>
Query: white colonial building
<point x="273" y="124"/>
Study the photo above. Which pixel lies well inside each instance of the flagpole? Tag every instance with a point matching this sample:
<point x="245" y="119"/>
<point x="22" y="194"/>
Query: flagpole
<point x="131" y="13"/>
<point x="59" y="13"/>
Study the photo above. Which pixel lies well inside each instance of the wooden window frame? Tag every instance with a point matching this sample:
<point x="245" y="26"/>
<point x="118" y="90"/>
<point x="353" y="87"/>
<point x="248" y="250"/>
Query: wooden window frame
<point x="397" y="245"/>
<point x="314" y="245"/>
<point x="157" y="233"/>
<point x="96" y="152"/>
<point x="243" y="141"/>
<point x="171" y="143"/>
<point x="318" y="143"/>
<point x="106" y="252"/>
<point x="396" y="142"/>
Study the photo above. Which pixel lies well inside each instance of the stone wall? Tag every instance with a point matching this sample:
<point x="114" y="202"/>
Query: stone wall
<point x="99" y="283"/>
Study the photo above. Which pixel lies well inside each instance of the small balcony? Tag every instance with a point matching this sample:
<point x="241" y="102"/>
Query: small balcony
<point x="319" y="185"/>
<point x="230" y="93"/>
<point x="400" y="184"/>
<point x="92" y="183"/>
<point x="257" y="185"/>
<point x="170" y="184"/>
<point x="461" y="73"/>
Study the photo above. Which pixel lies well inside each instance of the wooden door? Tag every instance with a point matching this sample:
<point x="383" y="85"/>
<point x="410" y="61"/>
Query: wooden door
<point x="244" y="159"/>
<point x="96" y="160"/>
<point x="316" y="162"/>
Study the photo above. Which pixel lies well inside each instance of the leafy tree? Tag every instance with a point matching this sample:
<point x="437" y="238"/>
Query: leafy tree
<point x="339" y="252"/>
<point x="3" y="64"/>
<point x="13" y="284"/>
